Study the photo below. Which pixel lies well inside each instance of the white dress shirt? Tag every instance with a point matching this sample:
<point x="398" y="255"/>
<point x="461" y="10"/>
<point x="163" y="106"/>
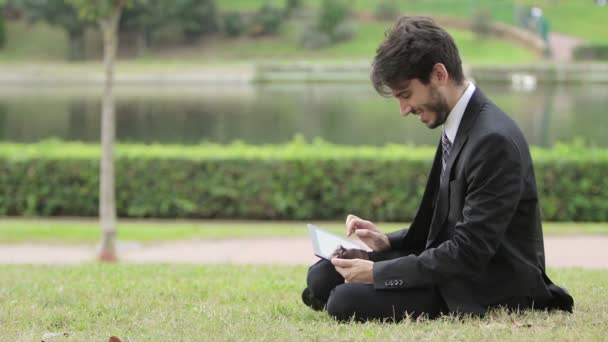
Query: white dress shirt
<point x="450" y="127"/>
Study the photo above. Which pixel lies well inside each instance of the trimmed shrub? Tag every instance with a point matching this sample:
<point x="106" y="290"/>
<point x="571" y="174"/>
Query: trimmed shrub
<point x="482" y="23"/>
<point x="2" y="29"/>
<point x="330" y="25"/>
<point x="386" y="10"/>
<point x="294" y="181"/>
<point x="232" y="24"/>
<point x="588" y="52"/>
<point x="291" y="6"/>
<point x="343" y="31"/>
<point x="313" y="39"/>
<point x="266" y="21"/>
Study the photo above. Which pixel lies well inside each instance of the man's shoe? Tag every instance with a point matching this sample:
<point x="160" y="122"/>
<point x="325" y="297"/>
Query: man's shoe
<point x="315" y="303"/>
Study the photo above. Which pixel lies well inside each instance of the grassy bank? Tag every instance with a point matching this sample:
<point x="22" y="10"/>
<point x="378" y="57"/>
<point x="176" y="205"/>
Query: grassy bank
<point x="247" y="303"/>
<point x="87" y="231"/>
<point x="580" y="18"/>
<point x="41" y="43"/>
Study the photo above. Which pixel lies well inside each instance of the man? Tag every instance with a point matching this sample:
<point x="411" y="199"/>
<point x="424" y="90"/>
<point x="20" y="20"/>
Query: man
<point x="476" y="241"/>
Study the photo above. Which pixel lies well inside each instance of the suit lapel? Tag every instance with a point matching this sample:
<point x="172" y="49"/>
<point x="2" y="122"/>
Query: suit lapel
<point x="442" y="206"/>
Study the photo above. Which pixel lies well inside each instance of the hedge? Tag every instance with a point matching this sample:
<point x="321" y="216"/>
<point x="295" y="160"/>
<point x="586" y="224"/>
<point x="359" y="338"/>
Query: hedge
<point x="292" y="181"/>
<point x="594" y="52"/>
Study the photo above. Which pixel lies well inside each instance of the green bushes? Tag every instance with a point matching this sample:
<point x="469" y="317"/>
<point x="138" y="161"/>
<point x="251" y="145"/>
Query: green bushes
<point x="266" y="21"/>
<point x="386" y="10"/>
<point x="2" y="29"/>
<point x="331" y="25"/>
<point x="293" y="181"/>
<point x="591" y="52"/>
<point x="232" y="24"/>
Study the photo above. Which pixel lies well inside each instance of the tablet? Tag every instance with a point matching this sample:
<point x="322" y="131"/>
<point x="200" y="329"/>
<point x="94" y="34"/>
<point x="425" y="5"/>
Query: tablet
<point x="325" y="243"/>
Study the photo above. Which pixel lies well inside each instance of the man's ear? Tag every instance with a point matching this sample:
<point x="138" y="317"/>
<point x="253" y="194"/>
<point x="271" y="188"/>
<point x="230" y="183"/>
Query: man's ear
<point x="440" y="74"/>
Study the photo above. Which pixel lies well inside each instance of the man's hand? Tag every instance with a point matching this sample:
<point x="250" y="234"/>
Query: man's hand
<point x="367" y="232"/>
<point x="350" y="253"/>
<point x="355" y="270"/>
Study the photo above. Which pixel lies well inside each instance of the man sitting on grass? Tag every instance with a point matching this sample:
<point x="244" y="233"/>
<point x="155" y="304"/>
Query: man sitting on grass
<point x="476" y="241"/>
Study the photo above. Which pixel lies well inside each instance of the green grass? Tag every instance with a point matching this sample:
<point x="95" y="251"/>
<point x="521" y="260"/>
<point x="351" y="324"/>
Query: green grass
<point x="362" y="47"/>
<point x="297" y="149"/>
<point x="42" y="43"/>
<point x="87" y="231"/>
<point x="248" y="303"/>
<point x="33" y="42"/>
<point x="580" y="18"/>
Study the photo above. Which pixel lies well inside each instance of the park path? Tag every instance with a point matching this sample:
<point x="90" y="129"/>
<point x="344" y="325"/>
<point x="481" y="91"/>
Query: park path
<point x="562" y="46"/>
<point x="561" y="251"/>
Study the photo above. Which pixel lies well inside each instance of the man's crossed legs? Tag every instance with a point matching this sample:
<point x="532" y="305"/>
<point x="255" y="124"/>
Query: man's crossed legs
<point x="343" y="301"/>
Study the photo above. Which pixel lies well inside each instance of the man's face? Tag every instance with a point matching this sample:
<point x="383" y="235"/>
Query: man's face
<point x="424" y="101"/>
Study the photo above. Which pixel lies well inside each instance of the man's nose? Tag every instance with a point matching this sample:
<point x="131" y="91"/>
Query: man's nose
<point x="405" y="108"/>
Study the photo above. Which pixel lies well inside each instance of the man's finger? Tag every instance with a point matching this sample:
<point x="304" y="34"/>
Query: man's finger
<point x="363" y="232"/>
<point x="350" y="224"/>
<point x="344" y="263"/>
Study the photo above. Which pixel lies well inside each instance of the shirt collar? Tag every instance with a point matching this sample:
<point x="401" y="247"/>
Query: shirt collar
<point x="450" y="127"/>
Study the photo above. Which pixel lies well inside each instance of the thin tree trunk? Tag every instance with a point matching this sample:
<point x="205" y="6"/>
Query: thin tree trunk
<point x="107" y="205"/>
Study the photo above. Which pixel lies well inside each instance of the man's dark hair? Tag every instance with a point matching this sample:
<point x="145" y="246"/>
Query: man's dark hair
<point x="411" y="49"/>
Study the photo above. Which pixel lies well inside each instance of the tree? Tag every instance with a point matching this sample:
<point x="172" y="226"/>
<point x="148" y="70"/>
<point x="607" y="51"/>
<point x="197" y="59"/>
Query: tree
<point x="61" y="14"/>
<point x="2" y="28"/>
<point x="107" y="14"/>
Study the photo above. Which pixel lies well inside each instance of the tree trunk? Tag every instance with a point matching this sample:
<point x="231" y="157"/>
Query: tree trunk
<point x="107" y="205"/>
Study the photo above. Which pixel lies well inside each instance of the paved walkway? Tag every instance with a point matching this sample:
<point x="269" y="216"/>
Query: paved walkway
<point x="563" y="251"/>
<point x="562" y="47"/>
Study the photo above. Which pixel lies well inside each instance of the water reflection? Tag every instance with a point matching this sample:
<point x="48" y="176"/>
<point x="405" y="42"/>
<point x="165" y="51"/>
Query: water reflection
<point x="274" y="113"/>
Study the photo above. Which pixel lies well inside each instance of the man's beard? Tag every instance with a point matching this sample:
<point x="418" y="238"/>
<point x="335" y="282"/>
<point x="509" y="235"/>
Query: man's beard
<point x="439" y="106"/>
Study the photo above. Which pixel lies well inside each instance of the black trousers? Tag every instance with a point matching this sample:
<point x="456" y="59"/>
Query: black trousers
<point x="363" y="302"/>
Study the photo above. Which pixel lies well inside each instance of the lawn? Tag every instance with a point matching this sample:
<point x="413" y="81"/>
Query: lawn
<point x="42" y="43"/>
<point x="580" y="18"/>
<point x="248" y="303"/>
<point x="87" y="231"/>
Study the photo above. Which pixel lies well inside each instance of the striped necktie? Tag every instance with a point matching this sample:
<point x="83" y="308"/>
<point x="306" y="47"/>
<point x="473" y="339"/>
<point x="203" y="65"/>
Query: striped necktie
<point x="446" y="146"/>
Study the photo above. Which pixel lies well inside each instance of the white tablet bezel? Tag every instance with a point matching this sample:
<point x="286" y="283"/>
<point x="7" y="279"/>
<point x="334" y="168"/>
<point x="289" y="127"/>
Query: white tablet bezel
<point x="340" y="240"/>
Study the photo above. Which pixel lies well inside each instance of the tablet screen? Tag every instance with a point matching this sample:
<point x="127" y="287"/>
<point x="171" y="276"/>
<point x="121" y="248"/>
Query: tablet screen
<point x="325" y="243"/>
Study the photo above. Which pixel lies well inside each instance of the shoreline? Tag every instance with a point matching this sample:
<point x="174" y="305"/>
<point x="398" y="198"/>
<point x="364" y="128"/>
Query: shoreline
<point x="525" y="76"/>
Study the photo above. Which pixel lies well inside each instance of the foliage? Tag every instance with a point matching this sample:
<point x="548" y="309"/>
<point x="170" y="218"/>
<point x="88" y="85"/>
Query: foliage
<point x="159" y="21"/>
<point x="2" y="28"/>
<point x="146" y="18"/>
<point x="330" y="26"/>
<point x="331" y="15"/>
<point x="292" y="6"/>
<point x="95" y="9"/>
<point x="482" y="23"/>
<point x="232" y="24"/>
<point x="293" y="181"/>
<point x="386" y="10"/>
<point x="195" y="17"/>
<point x="598" y="52"/>
<point x="61" y="14"/>
<point x="266" y="21"/>
<point x="312" y="39"/>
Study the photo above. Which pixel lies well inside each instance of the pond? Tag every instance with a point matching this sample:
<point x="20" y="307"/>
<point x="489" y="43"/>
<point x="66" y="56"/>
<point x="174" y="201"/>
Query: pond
<point x="273" y="113"/>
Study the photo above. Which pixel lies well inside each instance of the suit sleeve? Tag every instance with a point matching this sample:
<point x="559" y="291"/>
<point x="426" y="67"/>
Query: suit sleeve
<point x="494" y="181"/>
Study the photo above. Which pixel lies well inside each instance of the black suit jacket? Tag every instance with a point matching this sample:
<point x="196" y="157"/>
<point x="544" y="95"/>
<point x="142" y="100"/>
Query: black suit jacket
<point x="477" y="235"/>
